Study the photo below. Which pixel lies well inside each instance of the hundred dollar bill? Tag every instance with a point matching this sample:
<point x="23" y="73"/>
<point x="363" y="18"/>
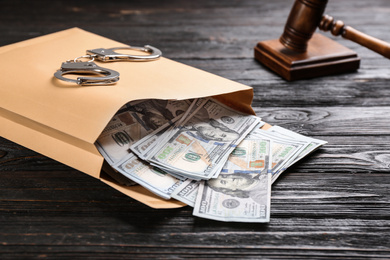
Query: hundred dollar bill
<point x="198" y="147"/>
<point x="165" y="135"/>
<point x="258" y="126"/>
<point x="131" y="123"/>
<point x="313" y="142"/>
<point x="152" y="178"/>
<point x="114" y="142"/>
<point x="186" y="192"/>
<point x="250" y="156"/>
<point x="117" y="176"/>
<point x="134" y="121"/>
<point x="241" y="195"/>
<point x="143" y="147"/>
<point x="284" y="151"/>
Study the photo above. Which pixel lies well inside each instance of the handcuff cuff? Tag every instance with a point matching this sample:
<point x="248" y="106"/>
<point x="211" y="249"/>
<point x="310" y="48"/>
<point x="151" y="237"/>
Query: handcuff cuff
<point x="103" y="76"/>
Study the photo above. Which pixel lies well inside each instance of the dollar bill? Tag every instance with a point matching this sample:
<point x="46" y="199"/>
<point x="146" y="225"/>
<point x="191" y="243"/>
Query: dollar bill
<point x="197" y="148"/>
<point x="243" y="194"/>
<point x="250" y="156"/>
<point x="166" y="134"/>
<point x="186" y="192"/>
<point x="117" y="176"/>
<point x="115" y="140"/>
<point x="146" y="145"/>
<point x="152" y="178"/>
<point x="284" y="150"/>
<point x="313" y="142"/>
<point x="134" y="121"/>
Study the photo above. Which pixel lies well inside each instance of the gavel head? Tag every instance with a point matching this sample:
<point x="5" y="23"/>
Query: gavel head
<point x="303" y="20"/>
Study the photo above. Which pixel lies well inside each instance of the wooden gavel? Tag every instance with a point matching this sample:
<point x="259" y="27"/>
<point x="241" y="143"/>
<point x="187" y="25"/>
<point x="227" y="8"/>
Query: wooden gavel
<point x="300" y="53"/>
<point x="306" y="16"/>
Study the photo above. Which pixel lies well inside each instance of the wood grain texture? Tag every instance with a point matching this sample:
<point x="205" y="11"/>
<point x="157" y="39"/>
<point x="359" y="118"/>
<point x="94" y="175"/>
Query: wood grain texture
<point x="332" y="205"/>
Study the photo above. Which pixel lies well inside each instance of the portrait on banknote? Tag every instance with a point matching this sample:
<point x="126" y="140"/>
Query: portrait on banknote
<point x="153" y="113"/>
<point x="241" y="185"/>
<point x="211" y="130"/>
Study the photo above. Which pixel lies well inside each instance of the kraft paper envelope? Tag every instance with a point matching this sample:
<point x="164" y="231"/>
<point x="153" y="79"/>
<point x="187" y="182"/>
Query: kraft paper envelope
<point x="62" y="120"/>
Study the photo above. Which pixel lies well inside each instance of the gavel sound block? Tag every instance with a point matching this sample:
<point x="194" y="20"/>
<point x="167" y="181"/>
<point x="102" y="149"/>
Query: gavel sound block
<point x="300" y="54"/>
<point x="322" y="57"/>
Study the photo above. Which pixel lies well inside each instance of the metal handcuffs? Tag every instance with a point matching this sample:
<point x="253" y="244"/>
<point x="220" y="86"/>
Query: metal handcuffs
<point x="102" y="76"/>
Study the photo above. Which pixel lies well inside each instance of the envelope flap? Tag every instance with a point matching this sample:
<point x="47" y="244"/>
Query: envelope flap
<point x="31" y="91"/>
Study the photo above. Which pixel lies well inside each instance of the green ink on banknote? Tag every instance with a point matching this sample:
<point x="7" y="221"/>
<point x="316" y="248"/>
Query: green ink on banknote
<point x="192" y="157"/>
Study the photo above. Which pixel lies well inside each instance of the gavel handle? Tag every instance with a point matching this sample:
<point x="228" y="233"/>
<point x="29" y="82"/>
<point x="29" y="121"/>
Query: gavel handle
<point x="338" y="28"/>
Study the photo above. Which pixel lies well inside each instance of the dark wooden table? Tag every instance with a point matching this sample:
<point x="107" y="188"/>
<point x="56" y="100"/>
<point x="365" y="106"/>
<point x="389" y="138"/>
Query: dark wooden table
<point x="334" y="204"/>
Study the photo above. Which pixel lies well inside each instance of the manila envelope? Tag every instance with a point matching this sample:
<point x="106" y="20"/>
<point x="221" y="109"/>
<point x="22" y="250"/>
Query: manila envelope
<point x="62" y="120"/>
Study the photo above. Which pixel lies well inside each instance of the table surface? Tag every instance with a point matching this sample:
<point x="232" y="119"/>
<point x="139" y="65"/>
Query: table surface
<point x="334" y="204"/>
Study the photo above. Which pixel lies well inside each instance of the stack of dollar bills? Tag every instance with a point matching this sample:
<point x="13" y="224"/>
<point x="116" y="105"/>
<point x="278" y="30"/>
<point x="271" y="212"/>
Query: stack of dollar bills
<point x="203" y="153"/>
